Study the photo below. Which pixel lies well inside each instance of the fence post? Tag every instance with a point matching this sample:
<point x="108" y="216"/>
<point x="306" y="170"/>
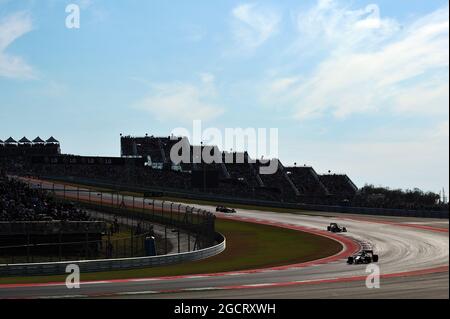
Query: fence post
<point x="165" y="239"/>
<point x="28" y="246"/>
<point x="109" y="246"/>
<point x="87" y="245"/>
<point x="131" y="248"/>
<point x="153" y="209"/>
<point x="101" y="204"/>
<point x="59" y="246"/>
<point x="189" y="241"/>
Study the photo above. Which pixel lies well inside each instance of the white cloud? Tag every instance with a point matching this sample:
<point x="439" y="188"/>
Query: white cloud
<point x="253" y="25"/>
<point x="430" y="98"/>
<point x="441" y="132"/>
<point x="85" y="4"/>
<point x="182" y="102"/>
<point x="329" y="23"/>
<point x="11" y="28"/>
<point x="207" y="78"/>
<point x="373" y="64"/>
<point x="282" y="84"/>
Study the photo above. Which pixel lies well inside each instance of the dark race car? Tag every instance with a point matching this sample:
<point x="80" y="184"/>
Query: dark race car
<point x="365" y="256"/>
<point x="335" y="228"/>
<point x="224" y="209"/>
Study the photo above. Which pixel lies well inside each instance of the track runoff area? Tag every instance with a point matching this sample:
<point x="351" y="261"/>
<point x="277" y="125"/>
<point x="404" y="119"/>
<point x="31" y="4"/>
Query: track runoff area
<point x="413" y="263"/>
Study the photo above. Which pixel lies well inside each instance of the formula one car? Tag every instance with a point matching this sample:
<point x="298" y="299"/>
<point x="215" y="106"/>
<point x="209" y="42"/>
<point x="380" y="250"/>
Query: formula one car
<point x="224" y="209"/>
<point x="335" y="228"/>
<point x="365" y="256"/>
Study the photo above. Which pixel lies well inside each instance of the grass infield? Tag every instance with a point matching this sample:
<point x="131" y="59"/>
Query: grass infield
<point x="249" y="246"/>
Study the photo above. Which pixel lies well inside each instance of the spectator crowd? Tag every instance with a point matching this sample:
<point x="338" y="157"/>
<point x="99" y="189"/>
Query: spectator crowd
<point x="19" y="202"/>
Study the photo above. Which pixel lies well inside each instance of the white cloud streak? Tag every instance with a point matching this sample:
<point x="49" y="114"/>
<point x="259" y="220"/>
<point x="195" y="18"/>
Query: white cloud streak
<point x="253" y="25"/>
<point x="182" y="102"/>
<point x="373" y="64"/>
<point x="13" y="27"/>
<point x="354" y="61"/>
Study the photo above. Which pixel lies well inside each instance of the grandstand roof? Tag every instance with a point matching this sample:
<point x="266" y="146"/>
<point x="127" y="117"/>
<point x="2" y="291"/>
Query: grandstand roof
<point x="10" y="140"/>
<point x="24" y="140"/>
<point x="52" y="140"/>
<point x="38" y="140"/>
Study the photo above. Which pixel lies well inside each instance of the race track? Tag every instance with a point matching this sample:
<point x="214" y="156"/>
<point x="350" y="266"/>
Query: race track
<point x="414" y="256"/>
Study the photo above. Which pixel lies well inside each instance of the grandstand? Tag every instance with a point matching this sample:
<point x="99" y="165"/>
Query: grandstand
<point x="18" y="202"/>
<point x="25" y="147"/>
<point x="339" y="185"/>
<point x="31" y="216"/>
<point x="145" y="162"/>
<point x="238" y="174"/>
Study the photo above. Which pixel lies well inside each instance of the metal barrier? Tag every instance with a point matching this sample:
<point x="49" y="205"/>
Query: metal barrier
<point x="220" y="198"/>
<point x="198" y="223"/>
<point x="58" y="268"/>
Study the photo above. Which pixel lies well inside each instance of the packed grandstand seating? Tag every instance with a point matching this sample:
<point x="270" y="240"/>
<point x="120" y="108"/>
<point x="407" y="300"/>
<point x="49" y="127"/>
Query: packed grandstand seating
<point x="239" y="178"/>
<point x="18" y="202"/>
<point x="307" y="181"/>
<point x="339" y="185"/>
<point x="277" y="181"/>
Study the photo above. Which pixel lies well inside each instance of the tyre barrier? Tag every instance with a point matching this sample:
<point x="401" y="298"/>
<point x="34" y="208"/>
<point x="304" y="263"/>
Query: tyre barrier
<point x="59" y="268"/>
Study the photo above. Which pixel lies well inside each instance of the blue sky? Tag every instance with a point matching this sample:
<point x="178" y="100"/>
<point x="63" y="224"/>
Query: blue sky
<point x="358" y="87"/>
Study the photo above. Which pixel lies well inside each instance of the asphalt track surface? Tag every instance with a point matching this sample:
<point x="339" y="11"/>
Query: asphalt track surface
<point x="414" y="255"/>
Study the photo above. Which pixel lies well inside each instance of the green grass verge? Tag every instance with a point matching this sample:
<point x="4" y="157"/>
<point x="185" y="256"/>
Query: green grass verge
<point x="248" y="246"/>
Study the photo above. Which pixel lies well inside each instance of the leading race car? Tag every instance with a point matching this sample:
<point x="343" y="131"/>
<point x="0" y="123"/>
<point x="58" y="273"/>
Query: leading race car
<point x="365" y="256"/>
<point x="224" y="209"/>
<point x="335" y="228"/>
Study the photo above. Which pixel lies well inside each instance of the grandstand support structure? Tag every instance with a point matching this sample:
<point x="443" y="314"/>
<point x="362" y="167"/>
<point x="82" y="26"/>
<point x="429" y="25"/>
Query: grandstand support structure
<point x="283" y="171"/>
<point x="350" y="182"/>
<point x="256" y="174"/>
<point x="224" y="170"/>
<point x="161" y="149"/>
<point x="316" y="177"/>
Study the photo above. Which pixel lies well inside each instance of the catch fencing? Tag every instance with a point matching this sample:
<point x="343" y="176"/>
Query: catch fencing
<point x="441" y="214"/>
<point x="59" y="268"/>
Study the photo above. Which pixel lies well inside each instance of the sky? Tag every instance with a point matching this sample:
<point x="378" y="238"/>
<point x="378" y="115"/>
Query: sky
<point x="355" y="87"/>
